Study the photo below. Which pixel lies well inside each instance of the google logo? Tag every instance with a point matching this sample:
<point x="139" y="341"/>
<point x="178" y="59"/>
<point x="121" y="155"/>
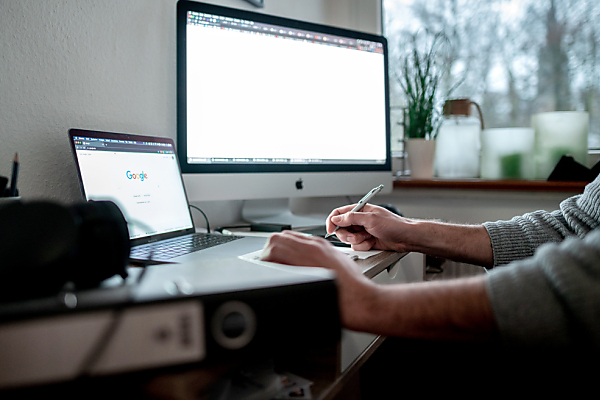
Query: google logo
<point x="141" y="176"/>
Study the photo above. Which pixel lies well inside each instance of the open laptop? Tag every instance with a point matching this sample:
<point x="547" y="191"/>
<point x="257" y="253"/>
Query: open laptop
<point x="141" y="175"/>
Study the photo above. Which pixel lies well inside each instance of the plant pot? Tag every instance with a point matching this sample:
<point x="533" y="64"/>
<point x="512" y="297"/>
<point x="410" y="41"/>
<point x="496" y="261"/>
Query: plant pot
<point x="420" y="153"/>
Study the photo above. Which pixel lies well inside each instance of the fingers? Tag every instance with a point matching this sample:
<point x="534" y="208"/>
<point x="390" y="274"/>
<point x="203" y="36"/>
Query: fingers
<point x="278" y="245"/>
<point x="343" y="217"/>
<point x="352" y="234"/>
<point x="330" y="226"/>
<point x="295" y="248"/>
<point x="364" y="245"/>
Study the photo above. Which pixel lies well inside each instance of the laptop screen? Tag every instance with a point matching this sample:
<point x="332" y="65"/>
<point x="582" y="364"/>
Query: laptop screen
<point x="138" y="173"/>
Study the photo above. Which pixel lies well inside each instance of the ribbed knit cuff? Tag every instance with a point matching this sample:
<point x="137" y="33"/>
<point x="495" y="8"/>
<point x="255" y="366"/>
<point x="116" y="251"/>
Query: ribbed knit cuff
<point x="509" y="242"/>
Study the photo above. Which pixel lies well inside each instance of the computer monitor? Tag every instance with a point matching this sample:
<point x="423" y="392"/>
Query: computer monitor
<point x="270" y="107"/>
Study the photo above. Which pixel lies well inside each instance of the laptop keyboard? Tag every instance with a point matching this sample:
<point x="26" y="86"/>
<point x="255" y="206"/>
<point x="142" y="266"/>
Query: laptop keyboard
<point x="175" y="247"/>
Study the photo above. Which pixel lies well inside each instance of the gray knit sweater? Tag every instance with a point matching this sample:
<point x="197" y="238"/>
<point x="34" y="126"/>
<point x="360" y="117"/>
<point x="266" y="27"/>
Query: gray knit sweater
<point x="552" y="298"/>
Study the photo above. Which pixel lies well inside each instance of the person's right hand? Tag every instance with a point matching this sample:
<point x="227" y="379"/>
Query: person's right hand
<point x="377" y="228"/>
<point x="372" y="227"/>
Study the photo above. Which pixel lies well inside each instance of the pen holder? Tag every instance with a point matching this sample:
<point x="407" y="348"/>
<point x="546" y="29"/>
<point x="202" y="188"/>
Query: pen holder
<point x="4" y="201"/>
<point x="5" y="189"/>
<point x="6" y="195"/>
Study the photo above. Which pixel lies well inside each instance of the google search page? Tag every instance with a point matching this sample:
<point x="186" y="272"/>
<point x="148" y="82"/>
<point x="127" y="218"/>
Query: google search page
<point x="147" y="187"/>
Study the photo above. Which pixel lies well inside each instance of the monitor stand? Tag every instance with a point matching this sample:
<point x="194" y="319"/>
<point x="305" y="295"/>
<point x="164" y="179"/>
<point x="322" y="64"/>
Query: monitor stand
<point x="279" y="211"/>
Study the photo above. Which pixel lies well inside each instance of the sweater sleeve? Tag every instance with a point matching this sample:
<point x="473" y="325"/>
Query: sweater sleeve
<point x="521" y="236"/>
<point x="552" y="298"/>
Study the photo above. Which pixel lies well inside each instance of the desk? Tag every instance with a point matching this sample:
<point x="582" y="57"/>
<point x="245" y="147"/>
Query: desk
<point x="322" y="366"/>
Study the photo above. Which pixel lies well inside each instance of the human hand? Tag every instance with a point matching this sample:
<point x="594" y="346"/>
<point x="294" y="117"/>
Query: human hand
<point x="355" y="291"/>
<point x="372" y="227"/>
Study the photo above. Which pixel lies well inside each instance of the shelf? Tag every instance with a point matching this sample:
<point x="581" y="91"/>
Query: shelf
<point x="484" y="184"/>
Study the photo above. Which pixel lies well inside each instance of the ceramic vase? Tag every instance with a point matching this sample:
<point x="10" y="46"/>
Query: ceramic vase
<point x="420" y="154"/>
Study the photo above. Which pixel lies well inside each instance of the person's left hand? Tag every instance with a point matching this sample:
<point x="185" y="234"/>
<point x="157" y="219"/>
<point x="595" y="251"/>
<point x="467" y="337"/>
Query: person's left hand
<point x="355" y="290"/>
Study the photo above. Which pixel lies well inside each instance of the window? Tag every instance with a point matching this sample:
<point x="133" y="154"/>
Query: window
<point x="514" y="58"/>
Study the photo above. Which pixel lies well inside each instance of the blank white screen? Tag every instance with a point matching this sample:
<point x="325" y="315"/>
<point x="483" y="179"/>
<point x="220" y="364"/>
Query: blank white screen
<point x="256" y="96"/>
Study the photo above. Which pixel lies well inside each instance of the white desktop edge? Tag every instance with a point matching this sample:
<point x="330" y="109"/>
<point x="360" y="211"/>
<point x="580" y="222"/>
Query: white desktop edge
<point x="267" y="195"/>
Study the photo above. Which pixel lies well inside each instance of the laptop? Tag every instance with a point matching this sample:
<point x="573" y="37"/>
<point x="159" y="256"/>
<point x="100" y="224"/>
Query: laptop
<point x="141" y="175"/>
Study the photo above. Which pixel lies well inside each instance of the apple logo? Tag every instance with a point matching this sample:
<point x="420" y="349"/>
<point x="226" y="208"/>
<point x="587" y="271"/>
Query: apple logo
<point x="299" y="184"/>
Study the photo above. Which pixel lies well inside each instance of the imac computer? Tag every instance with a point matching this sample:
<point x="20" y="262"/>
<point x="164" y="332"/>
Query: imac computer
<point x="274" y="108"/>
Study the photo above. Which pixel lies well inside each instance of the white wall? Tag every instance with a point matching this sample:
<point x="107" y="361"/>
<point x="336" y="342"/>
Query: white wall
<point x="104" y="65"/>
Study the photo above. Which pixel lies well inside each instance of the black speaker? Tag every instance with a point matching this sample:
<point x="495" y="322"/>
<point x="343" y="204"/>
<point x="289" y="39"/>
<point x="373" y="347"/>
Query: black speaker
<point x="45" y="245"/>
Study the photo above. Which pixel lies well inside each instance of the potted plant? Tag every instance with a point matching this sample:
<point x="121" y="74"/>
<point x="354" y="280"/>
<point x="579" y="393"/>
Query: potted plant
<point x="419" y="78"/>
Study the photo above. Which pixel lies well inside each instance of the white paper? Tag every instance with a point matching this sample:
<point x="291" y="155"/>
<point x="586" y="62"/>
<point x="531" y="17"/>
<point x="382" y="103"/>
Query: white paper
<point x="254" y="257"/>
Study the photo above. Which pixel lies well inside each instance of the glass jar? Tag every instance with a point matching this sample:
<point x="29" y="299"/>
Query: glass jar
<point x="507" y="153"/>
<point x="458" y="142"/>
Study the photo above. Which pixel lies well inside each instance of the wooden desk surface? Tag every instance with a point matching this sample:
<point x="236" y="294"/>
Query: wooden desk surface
<point x="373" y="265"/>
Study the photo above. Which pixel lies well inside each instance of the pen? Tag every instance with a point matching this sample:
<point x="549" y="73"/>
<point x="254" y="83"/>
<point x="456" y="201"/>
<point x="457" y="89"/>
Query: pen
<point x="360" y="205"/>
<point x="15" y="173"/>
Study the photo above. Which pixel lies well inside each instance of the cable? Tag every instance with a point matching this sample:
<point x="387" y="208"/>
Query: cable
<point x="205" y="217"/>
<point x="99" y="348"/>
<point x="101" y="345"/>
<point x="106" y="337"/>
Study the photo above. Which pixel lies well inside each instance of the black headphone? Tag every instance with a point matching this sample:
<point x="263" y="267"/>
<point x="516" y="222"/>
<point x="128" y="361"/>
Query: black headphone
<point x="44" y="245"/>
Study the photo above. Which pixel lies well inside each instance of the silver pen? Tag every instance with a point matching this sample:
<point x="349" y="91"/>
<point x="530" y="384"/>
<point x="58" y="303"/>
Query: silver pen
<point x="360" y="205"/>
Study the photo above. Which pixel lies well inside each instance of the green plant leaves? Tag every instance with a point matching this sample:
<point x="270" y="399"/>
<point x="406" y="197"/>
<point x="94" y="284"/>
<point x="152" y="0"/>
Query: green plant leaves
<point x="419" y="80"/>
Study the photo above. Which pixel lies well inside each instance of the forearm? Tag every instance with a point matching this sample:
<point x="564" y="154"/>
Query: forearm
<point x="464" y="243"/>
<point x="456" y="310"/>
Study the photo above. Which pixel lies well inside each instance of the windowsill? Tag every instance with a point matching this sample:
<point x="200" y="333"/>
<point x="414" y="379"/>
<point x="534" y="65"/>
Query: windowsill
<point x="484" y="184"/>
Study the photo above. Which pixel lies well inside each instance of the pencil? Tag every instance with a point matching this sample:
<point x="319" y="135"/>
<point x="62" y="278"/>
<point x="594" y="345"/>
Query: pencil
<point x="15" y="173"/>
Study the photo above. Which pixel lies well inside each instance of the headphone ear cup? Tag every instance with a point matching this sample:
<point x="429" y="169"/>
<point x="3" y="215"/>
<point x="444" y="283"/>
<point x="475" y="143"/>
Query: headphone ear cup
<point x="103" y="243"/>
<point x="37" y="245"/>
<point x="44" y="245"/>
